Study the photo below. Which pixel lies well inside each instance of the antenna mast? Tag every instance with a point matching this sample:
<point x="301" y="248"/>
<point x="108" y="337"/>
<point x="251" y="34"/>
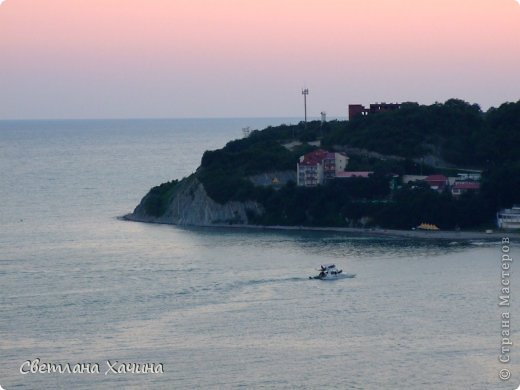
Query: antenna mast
<point x="305" y="92"/>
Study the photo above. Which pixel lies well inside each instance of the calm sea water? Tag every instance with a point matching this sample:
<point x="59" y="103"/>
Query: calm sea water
<point x="219" y="308"/>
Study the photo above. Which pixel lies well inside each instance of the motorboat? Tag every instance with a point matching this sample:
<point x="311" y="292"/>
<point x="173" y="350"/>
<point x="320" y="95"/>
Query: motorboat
<point x="328" y="271"/>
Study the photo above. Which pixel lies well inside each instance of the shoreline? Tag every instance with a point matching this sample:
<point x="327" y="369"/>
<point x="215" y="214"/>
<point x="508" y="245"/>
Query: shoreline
<point x="463" y="235"/>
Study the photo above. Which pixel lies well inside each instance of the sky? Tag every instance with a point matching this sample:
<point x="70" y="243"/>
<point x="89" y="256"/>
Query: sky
<point x="251" y="58"/>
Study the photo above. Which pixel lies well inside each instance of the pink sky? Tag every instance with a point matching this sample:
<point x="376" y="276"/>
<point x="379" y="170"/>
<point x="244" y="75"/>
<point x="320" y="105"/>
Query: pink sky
<point x="229" y="58"/>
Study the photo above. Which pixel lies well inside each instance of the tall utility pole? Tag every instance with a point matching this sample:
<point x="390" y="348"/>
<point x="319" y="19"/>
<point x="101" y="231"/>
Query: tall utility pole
<point x="305" y="92"/>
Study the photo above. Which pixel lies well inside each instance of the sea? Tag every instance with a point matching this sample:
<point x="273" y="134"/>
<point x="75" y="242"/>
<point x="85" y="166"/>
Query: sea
<point x="221" y="308"/>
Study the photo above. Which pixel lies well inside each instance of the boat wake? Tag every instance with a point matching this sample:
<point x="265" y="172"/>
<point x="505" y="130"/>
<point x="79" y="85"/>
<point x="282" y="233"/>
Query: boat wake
<point x="338" y="277"/>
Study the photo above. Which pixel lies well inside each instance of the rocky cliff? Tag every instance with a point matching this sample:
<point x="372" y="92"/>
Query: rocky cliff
<point x="189" y="204"/>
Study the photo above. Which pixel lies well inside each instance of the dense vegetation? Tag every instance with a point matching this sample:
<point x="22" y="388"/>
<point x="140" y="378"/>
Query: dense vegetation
<point x="224" y="172"/>
<point x="459" y="132"/>
<point x="157" y="200"/>
<point x="366" y="203"/>
<point x="330" y="205"/>
<point x="456" y="132"/>
<point x="412" y="206"/>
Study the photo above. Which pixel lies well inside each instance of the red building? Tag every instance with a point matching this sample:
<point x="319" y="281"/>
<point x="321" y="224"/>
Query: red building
<point x="437" y="182"/>
<point x="315" y="167"/>
<point x="461" y="187"/>
<point x="358" y="109"/>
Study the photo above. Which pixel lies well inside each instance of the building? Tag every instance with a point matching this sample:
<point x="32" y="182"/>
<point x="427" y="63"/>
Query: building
<point x="437" y="182"/>
<point x="329" y="165"/>
<point x="411" y="178"/>
<point x="460" y="187"/>
<point x="333" y="164"/>
<point x="475" y="176"/>
<point x="351" y="174"/>
<point x="441" y="183"/>
<point x="358" y="109"/>
<point x="509" y="218"/>
<point x="355" y="110"/>
<point x="309" y="173"/>
<point x="315" y="167"/>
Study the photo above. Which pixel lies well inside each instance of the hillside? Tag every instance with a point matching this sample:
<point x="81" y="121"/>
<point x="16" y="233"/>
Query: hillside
<point x="456" y="132"/>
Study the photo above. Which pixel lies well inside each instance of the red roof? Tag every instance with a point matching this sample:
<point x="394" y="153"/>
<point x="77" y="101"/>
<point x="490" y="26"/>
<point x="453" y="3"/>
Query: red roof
<point x="315" y="157"/>
<point x="466" y="186"/>
<point x="437" y="178"/>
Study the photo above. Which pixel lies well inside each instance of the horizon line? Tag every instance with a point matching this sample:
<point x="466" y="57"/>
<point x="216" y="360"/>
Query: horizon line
<point x="161" y="118"/>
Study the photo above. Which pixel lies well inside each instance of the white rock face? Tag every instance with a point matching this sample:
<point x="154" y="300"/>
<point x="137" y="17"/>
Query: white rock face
<point x="191" y="205"/>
